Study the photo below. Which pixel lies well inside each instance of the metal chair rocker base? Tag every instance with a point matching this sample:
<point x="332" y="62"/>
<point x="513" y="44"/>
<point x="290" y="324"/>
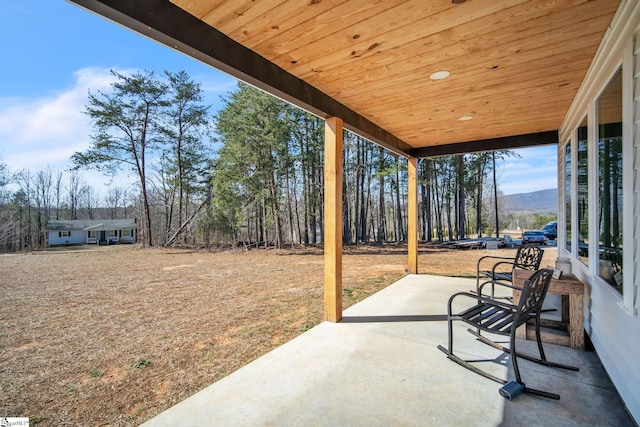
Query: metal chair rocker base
<point x="521" y="355"/>
<point x="525" y="389"/>
<point x="474" y="369"/>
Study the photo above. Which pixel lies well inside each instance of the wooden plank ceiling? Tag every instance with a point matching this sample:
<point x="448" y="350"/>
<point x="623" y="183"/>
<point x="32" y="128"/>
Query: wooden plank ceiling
<point x="515" y="65"/>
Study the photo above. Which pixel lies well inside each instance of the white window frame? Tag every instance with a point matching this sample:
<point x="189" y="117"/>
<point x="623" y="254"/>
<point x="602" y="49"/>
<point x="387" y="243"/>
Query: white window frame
<point x="601" y="72"/>
<point x="629" y="253"/>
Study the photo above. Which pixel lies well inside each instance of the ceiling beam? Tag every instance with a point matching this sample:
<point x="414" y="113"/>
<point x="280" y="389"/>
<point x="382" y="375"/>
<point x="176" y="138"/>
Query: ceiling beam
<point x="493" y="144"/>
<point x="168" y="24"/>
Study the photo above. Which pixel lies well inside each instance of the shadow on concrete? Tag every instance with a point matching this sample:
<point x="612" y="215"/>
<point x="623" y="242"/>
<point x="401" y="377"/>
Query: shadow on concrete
<point x="405" y="318"/>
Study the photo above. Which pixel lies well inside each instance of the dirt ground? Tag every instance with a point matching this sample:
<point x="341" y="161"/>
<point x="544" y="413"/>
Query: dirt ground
<point x="97" y="336"/>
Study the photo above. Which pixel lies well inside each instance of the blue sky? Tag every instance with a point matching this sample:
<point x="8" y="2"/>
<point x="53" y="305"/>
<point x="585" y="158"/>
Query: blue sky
<point x="55" y="52"/>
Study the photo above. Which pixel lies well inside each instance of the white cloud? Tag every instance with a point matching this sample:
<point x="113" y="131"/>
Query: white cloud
<point x="49" y="129"/>
<point x="42" y="132"/>
<point x="37" y="132"/>
<point x="535" y="170"/>
<point x="216" y="84"/>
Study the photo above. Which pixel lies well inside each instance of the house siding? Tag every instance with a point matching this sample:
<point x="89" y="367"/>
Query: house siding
<point x="75" y="238"/>
<point x="611" y="322"/>
<point x="636" y="170"/>
<point x="79" y="231"/>
<point x="611" y="319"/>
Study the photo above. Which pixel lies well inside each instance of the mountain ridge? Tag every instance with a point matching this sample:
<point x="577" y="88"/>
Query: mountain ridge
<point x="542" y="201"/>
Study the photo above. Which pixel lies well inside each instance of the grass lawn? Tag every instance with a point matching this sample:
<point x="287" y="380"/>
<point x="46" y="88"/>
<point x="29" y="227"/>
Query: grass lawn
<point x="114" y="335"/>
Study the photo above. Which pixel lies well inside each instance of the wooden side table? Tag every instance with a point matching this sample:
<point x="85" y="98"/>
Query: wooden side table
<point x="572" y="291"/>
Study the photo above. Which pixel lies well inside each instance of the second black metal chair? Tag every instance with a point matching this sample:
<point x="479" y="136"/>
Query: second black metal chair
<point x="528" y="257"/>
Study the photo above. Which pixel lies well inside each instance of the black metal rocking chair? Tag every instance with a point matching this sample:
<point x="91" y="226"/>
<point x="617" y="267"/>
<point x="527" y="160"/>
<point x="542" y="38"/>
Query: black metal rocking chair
<point x="502" y="318"/>
<point x="528" y="257"/>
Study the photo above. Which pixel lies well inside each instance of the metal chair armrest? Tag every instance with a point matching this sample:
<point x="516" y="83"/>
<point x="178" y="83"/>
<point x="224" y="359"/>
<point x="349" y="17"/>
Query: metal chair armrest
<point x="497" y="282"/>
<point x="505" y="259"/>
<point x="492" y="257"/>
<point x="503" y="262"/>
<point x="479" y="299"/>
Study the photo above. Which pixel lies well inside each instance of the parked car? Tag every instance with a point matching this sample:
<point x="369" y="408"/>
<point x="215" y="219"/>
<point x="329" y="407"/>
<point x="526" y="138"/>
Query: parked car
<point x="534" y="236"/>
<point x="551" y="230"/>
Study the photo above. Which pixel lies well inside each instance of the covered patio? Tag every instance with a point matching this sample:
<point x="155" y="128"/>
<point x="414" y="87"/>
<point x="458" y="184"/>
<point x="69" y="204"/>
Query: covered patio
<point x="425" y="79"/>
<point x="380" y="366"/>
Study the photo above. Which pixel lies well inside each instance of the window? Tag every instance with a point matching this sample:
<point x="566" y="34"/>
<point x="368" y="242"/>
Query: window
<point x="567" y="195"/>
<point x="64" y="234"/>
<point x="582" y="177"/>
<point x="112" y="233"/>
<point x="610" y="182"/>
<point x="126" y="233"/>
<point x="92" y="234"/>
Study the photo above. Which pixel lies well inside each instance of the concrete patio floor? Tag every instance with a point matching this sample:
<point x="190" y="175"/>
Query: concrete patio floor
<point x="380" y="366"/>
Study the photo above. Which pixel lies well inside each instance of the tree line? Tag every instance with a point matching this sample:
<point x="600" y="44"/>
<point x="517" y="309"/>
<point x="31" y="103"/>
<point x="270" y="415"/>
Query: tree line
<point x="249" y="175"/>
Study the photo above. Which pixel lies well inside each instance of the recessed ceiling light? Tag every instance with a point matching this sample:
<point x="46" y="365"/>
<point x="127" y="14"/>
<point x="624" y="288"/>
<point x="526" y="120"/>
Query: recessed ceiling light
<point x="465" y="118"/>
<point x="439" y="75"/>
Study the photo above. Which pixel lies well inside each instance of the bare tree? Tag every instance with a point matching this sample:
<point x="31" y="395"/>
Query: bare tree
<point x="113" y="198"/>
<point x="127" y="129"/>
<point x="58" y="193"/>
<point x="88" y="200"/>
<point x="73" y="190"/>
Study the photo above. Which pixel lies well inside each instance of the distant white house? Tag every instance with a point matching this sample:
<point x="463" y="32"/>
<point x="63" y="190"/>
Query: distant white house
<point x="100" y="232"/>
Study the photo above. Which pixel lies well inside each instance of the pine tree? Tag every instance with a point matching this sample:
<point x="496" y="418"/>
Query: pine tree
<point x="126" y="123"/>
